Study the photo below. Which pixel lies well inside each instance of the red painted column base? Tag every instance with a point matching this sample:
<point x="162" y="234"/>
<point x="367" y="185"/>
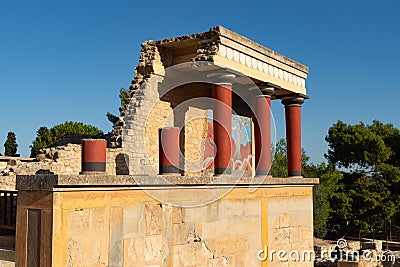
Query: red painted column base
<point x="169" y="151"/>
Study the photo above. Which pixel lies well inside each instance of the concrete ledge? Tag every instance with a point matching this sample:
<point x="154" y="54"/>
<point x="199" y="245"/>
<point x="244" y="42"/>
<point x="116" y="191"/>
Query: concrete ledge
<point x="50" y="182"/>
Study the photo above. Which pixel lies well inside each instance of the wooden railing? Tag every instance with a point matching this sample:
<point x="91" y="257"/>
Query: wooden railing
<point x="8" y="209"/>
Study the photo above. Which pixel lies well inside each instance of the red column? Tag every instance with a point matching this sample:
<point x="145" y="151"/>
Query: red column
<point x="222" y="124"/>
<point x="94" y="155"/>
<point x="262" y="132"/>
<point x="293" y="134"/>
<point x="169" y="150"/>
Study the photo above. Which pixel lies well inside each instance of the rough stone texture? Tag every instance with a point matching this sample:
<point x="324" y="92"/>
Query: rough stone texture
<point x="129" y="228"/>
<point x="159" y="114"/>
<point x="52" y="182"/>
<point x="58" y="160"/>
<point x="195" y="133"/>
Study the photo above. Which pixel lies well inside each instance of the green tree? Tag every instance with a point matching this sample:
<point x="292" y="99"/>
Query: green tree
<point x="279" y="166"/>
<point x="368" y="194"/>
<point x="10" y="146"/>
<point x="48" y="137"/>
<point x="323" y="192"/>
<point x="123" y="97"/>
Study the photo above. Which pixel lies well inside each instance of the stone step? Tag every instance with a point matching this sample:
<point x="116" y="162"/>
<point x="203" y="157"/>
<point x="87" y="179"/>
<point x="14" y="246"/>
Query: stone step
<point x="7" y="264"/>
<point x="7" y="257"/>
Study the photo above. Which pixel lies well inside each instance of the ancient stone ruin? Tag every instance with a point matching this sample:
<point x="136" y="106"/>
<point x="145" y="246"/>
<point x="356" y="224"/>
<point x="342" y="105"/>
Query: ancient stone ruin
<point x="185" y="179"/>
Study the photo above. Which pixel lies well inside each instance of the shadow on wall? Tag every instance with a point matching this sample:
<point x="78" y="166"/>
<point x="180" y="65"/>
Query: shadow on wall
<point x="122" y="164"/>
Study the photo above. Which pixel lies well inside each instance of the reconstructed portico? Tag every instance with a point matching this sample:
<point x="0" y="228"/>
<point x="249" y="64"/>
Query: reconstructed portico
<point x="220" y="65"/>
<point x="196" y="136"/>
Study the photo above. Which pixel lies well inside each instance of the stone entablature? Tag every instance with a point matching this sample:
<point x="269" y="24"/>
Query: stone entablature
<point x="261" y="63"/>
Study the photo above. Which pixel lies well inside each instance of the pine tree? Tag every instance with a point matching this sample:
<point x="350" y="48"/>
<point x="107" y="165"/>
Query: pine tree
<point x="10" y="146"/>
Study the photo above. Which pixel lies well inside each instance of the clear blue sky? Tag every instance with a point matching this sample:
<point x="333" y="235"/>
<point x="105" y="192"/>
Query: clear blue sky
<point x="66" y="60"/>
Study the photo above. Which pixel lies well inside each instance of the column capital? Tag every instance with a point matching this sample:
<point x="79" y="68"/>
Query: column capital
<point x="268" y="92"/>
<point x="293" y="101"/>
<point x="263" y="92"/>
<point x="222" y="78"/>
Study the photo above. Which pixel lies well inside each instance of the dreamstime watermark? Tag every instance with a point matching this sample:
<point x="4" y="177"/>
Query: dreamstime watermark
<point x="333" y="255"/>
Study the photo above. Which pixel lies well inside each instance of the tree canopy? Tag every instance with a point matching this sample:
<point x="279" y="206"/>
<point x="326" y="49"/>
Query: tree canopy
<point x="10" y="146"/>
<point x="369" y="157"/>
<point x="123" y="97"/>
<point x="48" y="137"/>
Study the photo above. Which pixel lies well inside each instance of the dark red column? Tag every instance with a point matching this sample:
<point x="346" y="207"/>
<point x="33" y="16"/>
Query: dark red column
<point x="169" y="150"/>
<point x="94" y="155"/>
<point x="293" y="134"/>
<point x="262" y="132"/>
<point x="222" y="124"/>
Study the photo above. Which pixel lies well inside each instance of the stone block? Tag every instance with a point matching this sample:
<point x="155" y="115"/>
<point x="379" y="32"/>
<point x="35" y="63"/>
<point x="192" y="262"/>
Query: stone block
<point x="177" y="215"/>
<point x="152" y="249"/>
<point x="301" y="218"/>
<point x="231" y="209"/>
<point x="231" y="227"/>
<point x="134" y="251"/>
<point x="285" y="220"/>
<point x="134" y="223"/>
<point x="205" y="213"/>
<point x="252" y="207"/>
<point x="229" y="245"/>
<point x="3" y="165"/>
<point x="209" y="230"/>
<point x="153" y="219"/>
<point x="78" y="222"/>
<point x="181" y="233"/>
<point x="115" y="252"/>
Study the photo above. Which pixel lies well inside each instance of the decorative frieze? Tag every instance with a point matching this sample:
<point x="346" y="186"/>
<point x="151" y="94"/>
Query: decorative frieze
<point x="261" y="66"/>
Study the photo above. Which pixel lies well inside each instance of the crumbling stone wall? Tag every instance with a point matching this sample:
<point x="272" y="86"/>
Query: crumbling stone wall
<point x="158" y="117"/>
<point x="59" y="160"/>
<point x="141" y="144"/>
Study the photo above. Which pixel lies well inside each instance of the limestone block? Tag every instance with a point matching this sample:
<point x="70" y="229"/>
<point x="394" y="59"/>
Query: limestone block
<point x="152" y="249"/>
<point x="252" y="207"/>
<point x="255" y="242"/>
<point x="280" y="237"/>
<point x="231" y="209"/>
<point x="253" y="225"/>
<point x="153" y="219"/>
<point x="231" y="227"/>
<point x="192" y="254"/>
<point x="181" y="233"/>
<point x="3" y="165"/>
<point x="301" y="218"/>
<point x="209" y="230"/>
<point x="285" y="220"/>
<point x="78" y="222"/>
<point x="252" y="260"/>
<point x="177" y="215"/>
<point x="229" y="245"/>
<point x="133" y="222"/>
<point x="205" y="213"/>
<point x="134" y="252"/>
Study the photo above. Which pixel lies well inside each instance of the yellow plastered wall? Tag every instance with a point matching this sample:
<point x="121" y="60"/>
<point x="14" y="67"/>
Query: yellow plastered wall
<point x="128" y="227"/>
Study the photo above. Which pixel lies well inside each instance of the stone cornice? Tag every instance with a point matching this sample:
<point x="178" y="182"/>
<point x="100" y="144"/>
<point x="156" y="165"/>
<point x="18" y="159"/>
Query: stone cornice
<point x="53" y="182"/>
